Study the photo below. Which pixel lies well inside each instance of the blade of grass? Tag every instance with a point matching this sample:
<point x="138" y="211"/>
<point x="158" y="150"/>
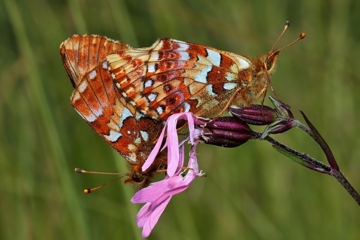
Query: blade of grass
<point x="47" y="119"/>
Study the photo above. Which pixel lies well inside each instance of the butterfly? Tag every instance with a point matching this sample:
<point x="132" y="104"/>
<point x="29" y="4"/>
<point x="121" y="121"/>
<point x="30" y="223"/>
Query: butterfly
<point x="126" y="94"/>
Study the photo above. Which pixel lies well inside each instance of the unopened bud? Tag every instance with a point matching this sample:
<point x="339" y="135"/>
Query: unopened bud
<point x="282" y="109"/>
<point x="254" y="114"/>
<point x="280" y="126"/>
<point x="226" y="132"/>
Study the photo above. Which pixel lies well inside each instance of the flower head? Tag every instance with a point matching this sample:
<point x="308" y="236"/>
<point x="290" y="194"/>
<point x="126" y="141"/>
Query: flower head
<point x="224" y="131"/>
<point x="177" y="179"/>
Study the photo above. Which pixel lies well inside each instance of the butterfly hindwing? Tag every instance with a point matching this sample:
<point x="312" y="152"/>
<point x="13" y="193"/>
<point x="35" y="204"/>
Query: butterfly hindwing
<point x="174" y="76"/>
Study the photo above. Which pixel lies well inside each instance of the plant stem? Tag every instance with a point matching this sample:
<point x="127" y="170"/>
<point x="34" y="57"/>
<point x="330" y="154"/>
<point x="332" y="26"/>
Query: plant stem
<point x="315" y="165"/>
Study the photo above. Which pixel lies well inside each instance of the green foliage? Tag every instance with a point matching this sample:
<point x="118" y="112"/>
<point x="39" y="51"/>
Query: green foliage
<point x="251" y="192"/>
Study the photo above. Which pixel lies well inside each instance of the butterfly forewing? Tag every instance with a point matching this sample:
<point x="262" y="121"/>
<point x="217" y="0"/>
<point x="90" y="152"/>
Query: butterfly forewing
<point x="80" y="54"/>
<point x="100" y="104"/>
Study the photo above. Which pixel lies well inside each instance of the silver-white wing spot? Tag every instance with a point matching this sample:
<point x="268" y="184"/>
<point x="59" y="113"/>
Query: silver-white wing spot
<point x="113" y="136"/>
<point x="229" y="86"/>
<point x="151" y="67"/>
<point x="160" y="110"/>
<point x="242" y="63"/>
<point x="149" y="83"/>
<point x="202" y="75"/>
<point x="92" y="74"/>
<point x="184" y="56"/>
<point x="187" y="107"/>
<point x="144" y="135"/>
<point x="214" y="57"/>
<point x="125" y="114"/>
<point x="105" y="65"/>
<point x="182" y="46"/>
<point x="154" y="57"/>
<point x="152" y="97"/>
<point x="209" y="90"/>
<point x="83" y="85"/>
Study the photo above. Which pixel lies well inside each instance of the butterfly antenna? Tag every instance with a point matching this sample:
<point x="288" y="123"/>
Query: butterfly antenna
<point x="302" y="36"/>
<point x="90" y="190"/>
<point x="287" y="24"/>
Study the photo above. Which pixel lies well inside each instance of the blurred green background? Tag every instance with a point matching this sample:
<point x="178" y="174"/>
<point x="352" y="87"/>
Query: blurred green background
<point x="251" y="192"/>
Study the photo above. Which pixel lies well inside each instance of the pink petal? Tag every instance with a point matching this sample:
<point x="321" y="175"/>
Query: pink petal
<point x="146" y="211"/>
<point x="150" y="193"/>
<point x="157" y="195"/>
<point x="193" y="163"/>
<point x="154" y="152"/>
<point x="172" y="145"/>
<point x="173" y="142"/>
<point x="151" y="221"/>
<point x="150" y="213"/>
<point x="181" y="157"/>
<point x="190" y="119"/>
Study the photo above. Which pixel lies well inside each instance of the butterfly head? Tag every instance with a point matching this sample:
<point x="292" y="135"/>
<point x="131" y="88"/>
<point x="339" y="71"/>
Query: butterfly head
<point x="269" y="61"/>
<point x="138" y="179"/>
<point x="141" y="179"/>
<point x="264" y="67"/>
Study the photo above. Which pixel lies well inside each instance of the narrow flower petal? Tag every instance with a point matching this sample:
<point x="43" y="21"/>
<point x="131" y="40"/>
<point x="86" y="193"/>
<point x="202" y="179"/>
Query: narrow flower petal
<point x="181" y="157"/>
<point x="150" y="193"/>
<point x="150" y="213"/>
<point x="173" y="141"/>
<point x="191" y="125"/>
<point x="153" y="218"/>
<point x="172" y="145"/>
<point x="154" y="152"/>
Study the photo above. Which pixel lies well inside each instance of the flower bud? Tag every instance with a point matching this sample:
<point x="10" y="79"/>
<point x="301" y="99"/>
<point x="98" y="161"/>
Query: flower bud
<point x="254" y="114"/>
<point x="226" y="132"/>
<point x="282" y="109"/>
<point x="279" y="126"/>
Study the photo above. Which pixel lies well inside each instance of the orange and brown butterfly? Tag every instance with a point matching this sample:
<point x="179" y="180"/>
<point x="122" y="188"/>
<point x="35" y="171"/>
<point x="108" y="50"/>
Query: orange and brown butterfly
<point x="126" y="94"/>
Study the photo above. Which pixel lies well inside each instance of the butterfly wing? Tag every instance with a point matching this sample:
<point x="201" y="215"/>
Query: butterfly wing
<point x="80" y="54"/>
<point x="97" y="101"/>
<point x="174" y="76"/>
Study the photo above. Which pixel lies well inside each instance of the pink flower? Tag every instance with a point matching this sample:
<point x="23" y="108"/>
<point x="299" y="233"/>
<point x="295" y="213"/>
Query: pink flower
<point x="225" y="131"/>
<point x="158" y="195"/>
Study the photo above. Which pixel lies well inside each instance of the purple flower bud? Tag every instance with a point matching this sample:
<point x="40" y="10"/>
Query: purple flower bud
<point x="282" y="109"/>
<point x="226" y="132"/>
<point x="280" y="126"/>
<point x="254" y="114"/>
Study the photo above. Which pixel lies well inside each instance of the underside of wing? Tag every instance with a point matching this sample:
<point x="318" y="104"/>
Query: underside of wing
<point x="174" y="76"/>
<point x="99" y="103"/>
<point x="80" y="54"/>
<point x="130" y="132"/>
